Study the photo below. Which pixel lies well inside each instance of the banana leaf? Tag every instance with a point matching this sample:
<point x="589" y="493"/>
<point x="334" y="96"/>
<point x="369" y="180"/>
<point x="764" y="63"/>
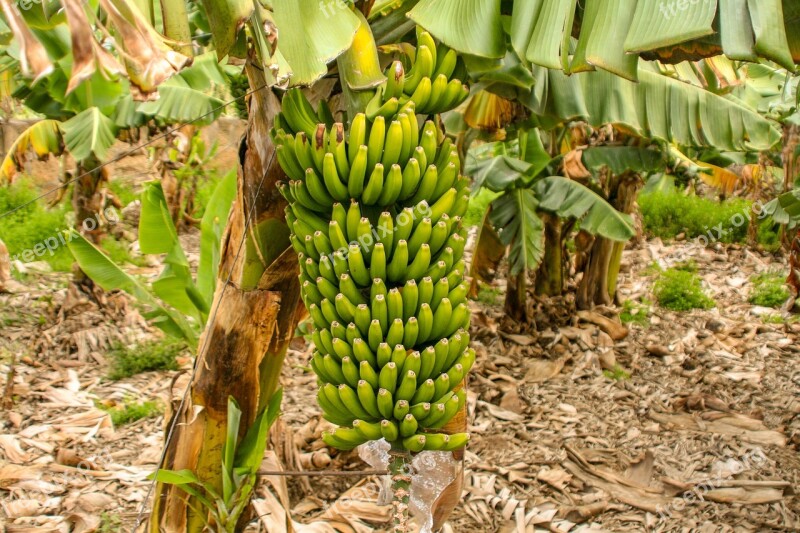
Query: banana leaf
<point x="519" y="227"/>
<point x="569" y="199"/>
<point x="89" y="133"/>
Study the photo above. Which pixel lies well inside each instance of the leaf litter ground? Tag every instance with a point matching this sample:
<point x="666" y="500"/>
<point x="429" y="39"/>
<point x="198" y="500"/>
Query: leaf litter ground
<point x="676" y="422"/>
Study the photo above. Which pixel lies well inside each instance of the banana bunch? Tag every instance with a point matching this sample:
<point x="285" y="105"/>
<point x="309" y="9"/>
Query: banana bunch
<point x="433" y="81"/>
<point x="375" y="217"/>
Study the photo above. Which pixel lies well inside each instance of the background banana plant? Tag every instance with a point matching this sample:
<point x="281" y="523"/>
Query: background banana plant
<point x="176" y="303"/>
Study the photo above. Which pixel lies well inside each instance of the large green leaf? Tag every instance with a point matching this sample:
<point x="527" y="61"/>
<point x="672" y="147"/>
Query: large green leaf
<point x="471" y="26"/>
<point x="785" y="209"/>
<point x="601" y="40"/>
<point x="251" y="451"/>
<point x="520" y="228"/>
<point x="499" y="173"/>
<point x="89" y="133"/>
<point x="657" y="107"/>
<point x="102" y="270"/>
<point x="179" y="102"/>
<point x="157" y="235"/>
<point x="569" y="199"/>
<point x="619" y="159"/>
<point x="657" y="24"/>
<point x="311" y="34"/>
<point x="211" y="228"/>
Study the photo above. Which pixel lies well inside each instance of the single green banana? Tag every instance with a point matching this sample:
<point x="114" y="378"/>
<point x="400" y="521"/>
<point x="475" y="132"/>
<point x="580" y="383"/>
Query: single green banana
<point x="392" y="185"/>
<point x="415" y="443"/>
<point x="389" y="431"/>
<point x="411" y="332"/>
<point x="420" y="264"/>
<point x="377" y="266"/>
<point x="333" y="181"/>
<point x="401" y="409"/>
<point x="344" y="308"/>
<point x="380" y="312"/>
<point x="385" y="403"/>
<point x="358" y="173"/>
<point x="428" y="362"/>
<point x="410" y="294"/>
<point x="398" y="266"/>
<point x="368" y="374"/>
<point x="387" y="378"/>
<point x="368" y="430"/>
<point x="367" y="398"/>
<point x="378" y="287"/>
<point x="374" y="187"/>
<point x="394" y="336"/>
<point x="408" y="425"/>
<point x="357" y="136"/>
<point x="350" y="371"/>
<point x="358" y="269"/>
<point x="377" y="140"/>
<point x="363" y="354"/>
<point x="383" y="354"/>
<point x="421" y="235"/>
<point x="420" y="411"/>
<point x="412" y="174"/>
<point x="385" y="230"/>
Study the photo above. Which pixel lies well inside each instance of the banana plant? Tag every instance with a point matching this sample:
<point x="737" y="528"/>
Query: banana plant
<point x="536" y="208"/>
<point x="175" y="302"/>
<point x="241" y="459"/>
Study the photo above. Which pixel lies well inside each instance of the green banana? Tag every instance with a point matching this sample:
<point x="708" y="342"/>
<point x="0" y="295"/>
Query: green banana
<point x="375" y="144"/>
<point x="357" y="135"/>
<point x="363" y="354"/>
<point x="367" y="398"/>
<point x="385" y="403"/>
<point x="350" y="371"/>
<point x="401" y="409"/>
<point x="333" y="182"/>
<point x="358" y="173"/>
<point x="374" y="187"/>
<point x="408" y="425"/>
<point x="392" y="185"/>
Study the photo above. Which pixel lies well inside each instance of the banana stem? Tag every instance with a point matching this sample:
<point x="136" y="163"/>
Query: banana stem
<point x="399" y="465"/>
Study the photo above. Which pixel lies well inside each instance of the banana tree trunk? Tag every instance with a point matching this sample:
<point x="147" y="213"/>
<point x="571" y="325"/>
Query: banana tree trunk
<point x="516" y="297"/>
<point x="599" y="283"/>
<point x="247" y="338"/>
<point x="791" y="172"/>
<point x="550" y="276"/>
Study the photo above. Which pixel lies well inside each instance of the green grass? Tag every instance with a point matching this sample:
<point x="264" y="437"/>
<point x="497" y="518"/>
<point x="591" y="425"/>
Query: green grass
<point x="478" y="204"/>
<point x="123" y="191"/>
<point x="488" y="294"/>
<point x="779" y="319"/>
<point x="635" y="312"/>
<point x="680" y="290"/>
<point x="33" y="224"/>
<point x="119" y="252"/>
<point x="617" y="374"/>
<point x="110" y="523"/>
<point x="666" y="215"/>
<point x="126" y="361"/>
<point x="130" y="412"/>
<point x="769" y="290"/>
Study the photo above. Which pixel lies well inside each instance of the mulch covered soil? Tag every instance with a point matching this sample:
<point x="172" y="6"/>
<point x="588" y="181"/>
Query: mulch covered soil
<point x="687" y="422"/>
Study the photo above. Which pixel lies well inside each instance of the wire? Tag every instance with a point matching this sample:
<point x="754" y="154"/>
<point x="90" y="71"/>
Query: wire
<point x="201" y="355"/>
<point x="132" y="150"/>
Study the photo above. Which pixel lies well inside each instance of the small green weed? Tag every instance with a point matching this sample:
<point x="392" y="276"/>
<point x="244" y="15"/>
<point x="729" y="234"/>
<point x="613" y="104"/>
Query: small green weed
<point x="128" y="361"/>
<point x="488" y="294"/>
<point x="130" y="412"/>
<point x="680" y="290"/>
<point x="652" y="269"/>
<point x="769" y="290"/>
<point x="110" y="523"/>
<point x="635" y="313"/>
<point x="779" y="319"/>
<point x="617" y="374"/>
